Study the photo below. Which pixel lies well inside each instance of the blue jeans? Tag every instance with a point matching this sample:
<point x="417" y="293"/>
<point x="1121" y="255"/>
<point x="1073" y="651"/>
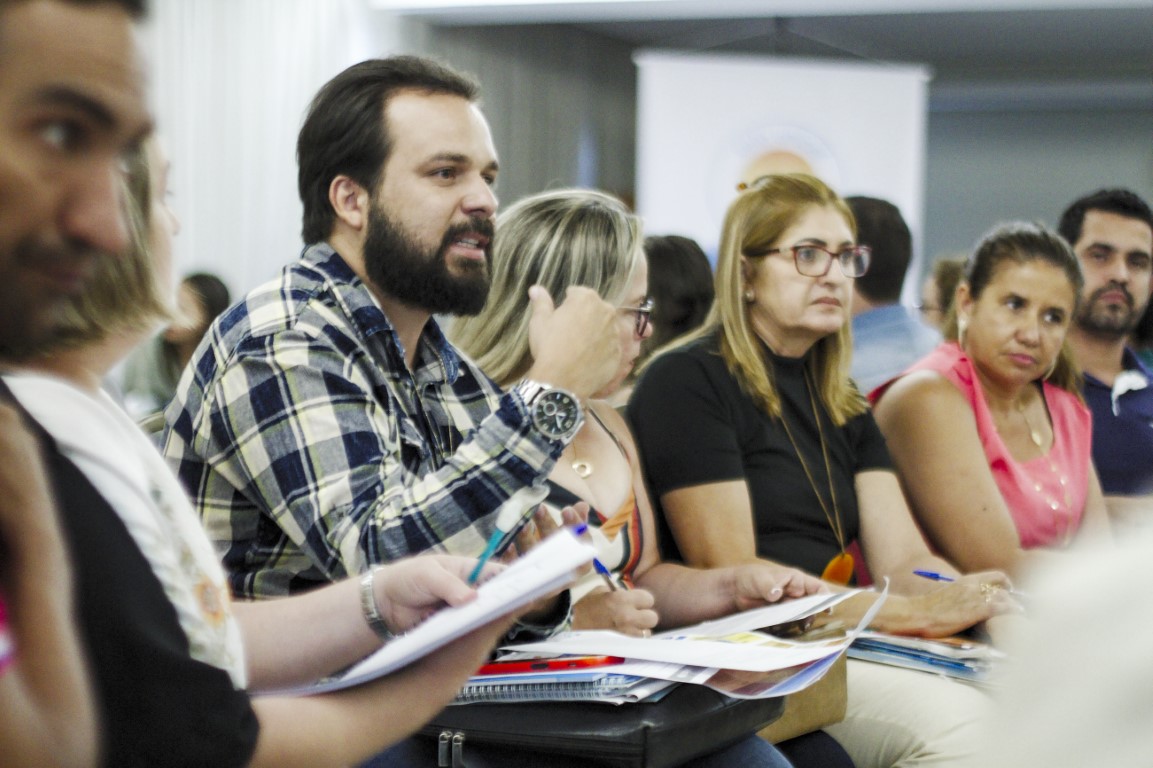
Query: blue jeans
<point x="751" y="752"/>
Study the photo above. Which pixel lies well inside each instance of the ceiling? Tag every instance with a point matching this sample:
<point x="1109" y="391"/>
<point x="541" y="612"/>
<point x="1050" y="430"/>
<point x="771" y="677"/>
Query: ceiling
<point x="1041" y="53"/>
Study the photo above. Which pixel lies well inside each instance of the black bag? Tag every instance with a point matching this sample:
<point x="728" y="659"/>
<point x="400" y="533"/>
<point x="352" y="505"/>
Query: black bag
<point x="689" y="721"/>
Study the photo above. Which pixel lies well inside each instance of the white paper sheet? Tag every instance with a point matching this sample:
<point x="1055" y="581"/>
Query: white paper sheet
<point x="692" y="646"/>
<point x="547" y="567"/>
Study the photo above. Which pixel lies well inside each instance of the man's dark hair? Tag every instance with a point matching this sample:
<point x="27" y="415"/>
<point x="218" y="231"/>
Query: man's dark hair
<point x="1118" y="201"/>
<point x="881" y="227"/>
<point x="344" y="132"/>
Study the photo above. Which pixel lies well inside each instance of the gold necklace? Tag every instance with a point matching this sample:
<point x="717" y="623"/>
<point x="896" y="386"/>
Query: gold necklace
<point x="1065" y="532"/>
<point x="584" y="467"/>
<point x="840" y="568"/>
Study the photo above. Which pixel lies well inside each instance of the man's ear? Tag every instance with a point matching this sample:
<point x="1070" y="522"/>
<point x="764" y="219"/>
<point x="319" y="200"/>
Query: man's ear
<point x="350" y="202"/>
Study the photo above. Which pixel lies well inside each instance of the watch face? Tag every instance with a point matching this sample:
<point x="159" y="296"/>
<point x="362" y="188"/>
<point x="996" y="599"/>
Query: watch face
<point x="556" y="413"/>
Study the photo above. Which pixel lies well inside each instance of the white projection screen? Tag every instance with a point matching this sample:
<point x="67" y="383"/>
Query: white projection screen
<point x="704" y="122"/>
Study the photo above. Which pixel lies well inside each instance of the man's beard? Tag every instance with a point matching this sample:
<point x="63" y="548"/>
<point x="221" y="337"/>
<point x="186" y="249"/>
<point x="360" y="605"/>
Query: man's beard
<point x="1104" y="321"/>
<point x="399" y="267"/>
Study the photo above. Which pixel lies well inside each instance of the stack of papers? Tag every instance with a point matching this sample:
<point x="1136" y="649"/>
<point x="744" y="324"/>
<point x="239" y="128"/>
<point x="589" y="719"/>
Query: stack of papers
<point x="956" y="657"/>
<point x="728" y="655"/>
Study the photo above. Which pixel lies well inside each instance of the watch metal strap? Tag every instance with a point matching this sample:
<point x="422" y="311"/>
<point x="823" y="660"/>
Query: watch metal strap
<point x="528" y="390"/>
<point x="369" y="609"/>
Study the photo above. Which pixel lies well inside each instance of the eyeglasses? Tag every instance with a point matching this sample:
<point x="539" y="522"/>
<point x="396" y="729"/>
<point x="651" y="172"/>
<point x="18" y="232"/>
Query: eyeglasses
<point x="643" y="313"/>
<point x="815" y="261"/>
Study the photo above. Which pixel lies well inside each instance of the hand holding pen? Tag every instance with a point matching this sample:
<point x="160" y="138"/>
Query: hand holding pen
<point x="620" y="608"/>
<point x="628" y="611"/>
<point x="522" y="521"/>
<point x="546" y="521"/>
<point x="987" y="588"/>
<point x="511" y="517"/>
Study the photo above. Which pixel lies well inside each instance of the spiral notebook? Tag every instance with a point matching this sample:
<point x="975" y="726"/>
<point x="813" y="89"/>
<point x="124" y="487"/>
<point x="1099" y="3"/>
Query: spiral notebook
<point x="581" y="686"/>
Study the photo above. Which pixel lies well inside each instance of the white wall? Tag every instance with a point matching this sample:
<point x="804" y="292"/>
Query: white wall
<point x="985" y="167"/>
<point x="561" y="103"/>
<point x="231" y="80"/>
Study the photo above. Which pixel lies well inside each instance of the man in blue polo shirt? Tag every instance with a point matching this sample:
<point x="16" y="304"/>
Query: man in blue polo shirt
<point x="1111" y="231"/>
<point x="887" y="337"/>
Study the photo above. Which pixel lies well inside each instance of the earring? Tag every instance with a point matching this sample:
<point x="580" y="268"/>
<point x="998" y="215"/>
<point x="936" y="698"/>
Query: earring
<point x="962" y="326"/>
<point x="750" y="297"/>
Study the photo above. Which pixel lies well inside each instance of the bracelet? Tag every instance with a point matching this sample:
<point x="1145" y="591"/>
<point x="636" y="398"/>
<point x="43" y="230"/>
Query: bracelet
<point x="369" y="609"/>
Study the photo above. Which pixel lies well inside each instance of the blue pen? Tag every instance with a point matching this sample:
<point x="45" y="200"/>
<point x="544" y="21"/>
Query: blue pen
<point x="598" y="566"/>
<point x="605" y="573"/>
<point x="933" y="575"/>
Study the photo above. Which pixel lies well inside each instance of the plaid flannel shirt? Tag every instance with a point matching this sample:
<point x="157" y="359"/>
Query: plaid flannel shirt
<point x="312" y="452"/>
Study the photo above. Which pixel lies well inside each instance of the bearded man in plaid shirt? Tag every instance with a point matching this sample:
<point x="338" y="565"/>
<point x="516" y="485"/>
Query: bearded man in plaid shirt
<point x="325" y="424"/>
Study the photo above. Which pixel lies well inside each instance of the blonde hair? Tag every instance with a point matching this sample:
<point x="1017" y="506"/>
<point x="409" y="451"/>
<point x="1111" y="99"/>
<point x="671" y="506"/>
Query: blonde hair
<point x="554" y="239"/>
<point x="754" y="223"/>
<point x="124" y="295"/>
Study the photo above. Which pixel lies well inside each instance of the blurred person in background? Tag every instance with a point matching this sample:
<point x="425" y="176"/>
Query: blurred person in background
<point x="680" y="292"/>
<point x="1111" y="232"/>
<point x="887" y="337"/>
<point x="149" y="375"/>
<point x="938" y="289"/>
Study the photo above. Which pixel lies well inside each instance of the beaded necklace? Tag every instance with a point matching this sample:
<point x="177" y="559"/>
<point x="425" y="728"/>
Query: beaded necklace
<point x="840" y="568"/>
<point x="1062" y="532"/>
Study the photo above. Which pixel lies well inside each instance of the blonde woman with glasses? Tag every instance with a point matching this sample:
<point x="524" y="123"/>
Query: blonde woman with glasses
<point x="758" y="448"/>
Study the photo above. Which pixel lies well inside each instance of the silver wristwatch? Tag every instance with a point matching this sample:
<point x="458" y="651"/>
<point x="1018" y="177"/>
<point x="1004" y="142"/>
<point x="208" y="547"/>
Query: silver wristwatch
<point x="555" y="413"/>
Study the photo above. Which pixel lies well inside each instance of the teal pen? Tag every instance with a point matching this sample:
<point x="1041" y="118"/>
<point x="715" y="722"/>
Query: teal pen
<point x="493" y="541"/>
<point x="511" y="517"/>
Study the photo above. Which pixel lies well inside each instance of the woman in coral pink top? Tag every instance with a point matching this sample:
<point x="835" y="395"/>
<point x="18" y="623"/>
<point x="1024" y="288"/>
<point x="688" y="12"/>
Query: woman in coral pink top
<point x="988" y="432"/>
